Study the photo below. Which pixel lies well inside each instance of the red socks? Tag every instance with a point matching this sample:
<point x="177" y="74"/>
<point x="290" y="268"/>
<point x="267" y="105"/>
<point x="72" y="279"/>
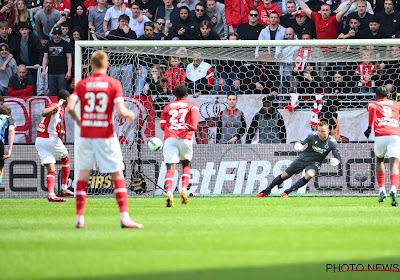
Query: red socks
<point x="380" y="177"/>
<point x="65" y="171"/>
<point x="169" y="180"/>
<point x="121" y="195"/>
<point x="80" y="194"/>
<point x="394" y="180"/>
<point x="185" y="177"/>
<point x="50" y="180"/>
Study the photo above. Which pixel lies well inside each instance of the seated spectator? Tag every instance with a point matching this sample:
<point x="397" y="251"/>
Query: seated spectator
<point x="288" y="19"/>
<point x="199" y="76"/>
<point x="79" y="18"/>
<point x="148" y="31"/>
<point x="389" y="18"/>
<point x="123" y="30"/>
<point x="284" y="5"/>
<point x="63" y="6"/>
<point x="362" y="15"/>
<point x="22" y="83"/>
<point x="111" y="19"/>
<point x="137" y="20"/>
<point x="216" y="12"/>
<point x="11" y="69"/>
<point x="269" y="123"/>
<point x="22" y="15"/>
<point x="95" y="19"/>
<point x="199" y="14"/>
<point x="159" y="26"/>
<point x="7" y="14"/>
<point x="374" y="31"/>
<point x="353" y="8"/>
<point x="184" y="28"/>
<point x="191" y="4"/>
<point x="304" y="24"/>
<point x="251" y="29"/>
<point x="351" y="32"/>
<point x="206" y="33"/>
<point x="265" y="10"/>
<point x="169" y="12"/>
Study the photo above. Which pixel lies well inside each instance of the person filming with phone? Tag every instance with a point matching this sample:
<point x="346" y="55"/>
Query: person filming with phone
<point x="351" y="32"/>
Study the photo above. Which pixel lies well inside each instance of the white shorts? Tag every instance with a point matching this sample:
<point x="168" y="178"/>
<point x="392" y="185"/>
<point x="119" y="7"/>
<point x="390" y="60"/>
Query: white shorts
<point x="105" y="151"/>
<point x="49" y="149"/>
<point x="175" y="150"/>
<point x="389" y="145"/>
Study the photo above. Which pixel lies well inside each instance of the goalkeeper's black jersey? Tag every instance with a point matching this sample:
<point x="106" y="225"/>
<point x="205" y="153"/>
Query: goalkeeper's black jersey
<point x="318" y="150"/>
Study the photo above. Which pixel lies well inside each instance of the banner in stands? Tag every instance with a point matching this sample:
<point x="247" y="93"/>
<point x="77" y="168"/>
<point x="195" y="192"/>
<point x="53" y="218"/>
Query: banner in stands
<point x="216" y="170"/>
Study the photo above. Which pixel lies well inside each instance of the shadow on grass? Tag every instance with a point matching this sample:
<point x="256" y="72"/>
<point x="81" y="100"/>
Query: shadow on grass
<point x="290" y="271"/>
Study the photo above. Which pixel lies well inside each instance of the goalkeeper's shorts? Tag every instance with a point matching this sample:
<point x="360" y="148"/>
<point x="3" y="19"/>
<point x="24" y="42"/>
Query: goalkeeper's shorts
<point x="298" y="165"/>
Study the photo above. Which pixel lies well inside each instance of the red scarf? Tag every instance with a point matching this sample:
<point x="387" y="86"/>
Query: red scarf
<point x="302" y="55"/>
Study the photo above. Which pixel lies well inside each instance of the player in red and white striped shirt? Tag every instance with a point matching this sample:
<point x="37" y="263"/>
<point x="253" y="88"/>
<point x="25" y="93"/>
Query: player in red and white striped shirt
<point x="384" y="116"/>
<point x="49" y="145"/>
<point x="179" y="120"/>
<point x="98" y="94"/>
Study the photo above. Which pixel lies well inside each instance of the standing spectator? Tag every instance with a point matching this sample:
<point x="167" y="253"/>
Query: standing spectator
<point x="148" y="31"/>
<point x="251" y="29"/>
<point x="269" y="123"/>
<point x="57" y="55"/>
<point x="45" y="19"/>
<point x="272" y="32"/>
<point x="389" y="18"/>
<point x="111" y="19"/>
<point x="289" y="19"/>
<point x="7" y="14"/>
<point x="184" y="28"/>
<point x="22" y="83"/>
<point x="199" y="14"/>
<point x="351" y="32"/>
<point x="237" y="12"/>
<point x="11" y="69"/>
<point x="123" y="31"/>
<point x="284" y="6"/>
<point x="169" y="12"/>
<point x="63" y="6"/>
<point x="22" y="15"/>
<point x="206" y="33"/>
<point x="159" y="26"/>
<point x="231" y="125"/>
<point x="361" y="14"/>
<point x="149" y="7"/>
<point x="367" y="72"/>
<point x="79" y="18"/>
<point x="326" y="25"/>
<point x="374" y="31"/>
<point x="154" y="85"/>
<point x="199" y="76"/>
<point x="137" y="20"/>
<point x="304" y="24"/>
<point x="174" y="74"/>
<point x="265" y="10"/>
<point x="353" y="8"/>
<point x="216" y="11"/>
<point x="95" y="19"/>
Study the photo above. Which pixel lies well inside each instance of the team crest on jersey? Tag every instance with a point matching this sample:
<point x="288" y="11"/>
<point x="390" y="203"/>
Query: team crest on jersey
<point x="315" y="142"/>
<point x="326" y="146"/>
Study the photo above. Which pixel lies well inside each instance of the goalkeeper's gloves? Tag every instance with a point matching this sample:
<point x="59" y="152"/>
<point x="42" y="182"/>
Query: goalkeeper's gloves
<point x="367" y="132"/>
<point x="334" y="161"/>
<point x="298" y="147"/>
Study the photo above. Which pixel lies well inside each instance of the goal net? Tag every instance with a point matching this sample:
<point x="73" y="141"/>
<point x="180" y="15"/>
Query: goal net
<point x="283" y="88"/>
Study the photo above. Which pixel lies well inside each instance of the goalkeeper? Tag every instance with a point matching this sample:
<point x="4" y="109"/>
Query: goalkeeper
<point x="320" y="144"/>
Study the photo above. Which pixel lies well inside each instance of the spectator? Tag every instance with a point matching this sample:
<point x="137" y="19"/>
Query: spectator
<point x="284" y="6"/>
<point x="148" y="31"/>
<point x="65" y="31"/>
<point x="169" y="12"/>
<point x="216" y="12"/>
<point x="45" y="19"/>
<point x="5" y="38"/>
<point x="184" y="28"/>
<point x="22" y="15"/>
<point x="329" y="115"/>
<point x="79" y="18"/>
<point x="367" y="72"/>
<point x="272" y="32"/>
<point x="265" y="10"/>
<point x="95" y="19"/>
<point x="11" y="69"/>
<point x="206" y="33"/>
<point x="123" y="31"/>
<point x="326" y="25"/>
<point x="285" y="56"/>
<point x="353" y="8"/>
<point x="309" y="83"/>
<point x="174" y="74"/>
<point x="200" y="14"/>
<point x="304" y="24"/>
<point x="77" y="35"/>
<point x="149" y="7"/>
<point x="159" y="26"/>
<point x="362" y="15"/>
<point x="288" y="19"/>
<point x="269" y="123"/>
<point x="251" y="29"/>
<point x="339" y="89"/>
<point x="7" y="14"/>
<point x="199" y="76"/>
<point x="191" y="4"/>
<point x="351" y="32"/>
<point x="237" y="13"/>
<point x="111" y="19"/>
<point x="154" y="84"/>
<point x="137" y="20"/>
<point x="231" y="125"/>
<point x="374" y="31"/>
<point x="57" y="55"/>
<point x="389" y="19"/>
<point x="22" y="83"/>
<point x="63" y="6"/>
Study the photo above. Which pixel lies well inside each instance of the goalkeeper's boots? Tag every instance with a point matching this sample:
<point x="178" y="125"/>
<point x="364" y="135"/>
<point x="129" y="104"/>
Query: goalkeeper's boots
<point x="129" y="223"/>
<point x="285" y="194"/>
<point x="170" y="199"/>
<point x="67" y="192"/>
<point x="184" y="198"/>
<point x="263" y="193"/>
<point x="53" y="198"/>
<point x="382" y="197"/>
<point x="393" y="198"/>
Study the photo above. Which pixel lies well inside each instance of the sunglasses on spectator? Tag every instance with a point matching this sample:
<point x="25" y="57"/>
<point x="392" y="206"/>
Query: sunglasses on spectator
<point x="199" y="10"/>
<point x="253" y="15"/>
<point x="160" y="23"/>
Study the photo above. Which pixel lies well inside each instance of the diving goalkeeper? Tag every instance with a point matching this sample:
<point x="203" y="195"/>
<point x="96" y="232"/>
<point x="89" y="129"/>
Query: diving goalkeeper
<point x="320" y="144"/>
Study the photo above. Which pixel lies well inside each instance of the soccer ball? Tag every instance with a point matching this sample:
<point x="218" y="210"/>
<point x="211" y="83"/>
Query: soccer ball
<point x="155" y="144"/>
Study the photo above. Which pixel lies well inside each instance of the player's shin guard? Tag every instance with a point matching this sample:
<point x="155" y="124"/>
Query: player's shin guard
<point x="276" y="182"/>
<point x="80" y="197"/>
<point x="185" y="177"/>
<point x="394" y="182"/>
<point x="50" y="181"/>
<point x="65" y="173"/>
<point x="121" y="195"/>
<point x="301" y="182"/>
<point x="169" y="181"/>
<point x="380" y="178"/>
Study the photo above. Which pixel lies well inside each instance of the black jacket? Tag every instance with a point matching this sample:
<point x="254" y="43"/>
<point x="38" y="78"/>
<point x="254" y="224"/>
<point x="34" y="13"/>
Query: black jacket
<point x="35" y="50"/>
<point x="119" y="34"/>
<point x="192" y="29"/>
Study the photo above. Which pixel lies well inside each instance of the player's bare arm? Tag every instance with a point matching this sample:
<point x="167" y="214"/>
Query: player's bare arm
<point x="123" y="112"/>
<point x="11" y="135"/>
<point x="71" y="111"/>
<point x="50" y="110"/>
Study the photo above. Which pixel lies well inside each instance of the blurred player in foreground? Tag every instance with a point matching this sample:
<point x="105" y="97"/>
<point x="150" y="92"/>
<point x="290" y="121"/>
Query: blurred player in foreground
<point x="179" y="120"/>
<point x="49" y="145"/>
<point x="7" y="131"/>
<point x="384" y="115"/>
<point x="320" y="144"/>
<point x="99" y="93"/>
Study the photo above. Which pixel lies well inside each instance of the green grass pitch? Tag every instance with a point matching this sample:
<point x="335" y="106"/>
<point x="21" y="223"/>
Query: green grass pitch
<point x="210" y="238"/>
